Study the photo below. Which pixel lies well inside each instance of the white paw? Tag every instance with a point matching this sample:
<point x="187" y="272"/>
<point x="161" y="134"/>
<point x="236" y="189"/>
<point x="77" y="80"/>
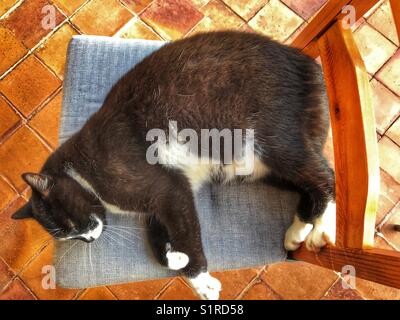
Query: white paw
<point x="324" y="231"/>
<point x="296" y="234"/>
<point x="206" y="286"/>
<point x="177" y="260"/>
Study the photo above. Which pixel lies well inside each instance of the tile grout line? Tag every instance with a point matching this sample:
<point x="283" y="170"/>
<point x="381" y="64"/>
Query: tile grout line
<point x="112" y="293"/>
<point x="386" y="218"/>
<point x="370" y="25"/>
<point x="250" y="284"/>
<point x="230" y="10"/>
<point x="11" y="10"/>
<point x="355" y="288"/>
<point x="163" y="289"/>
<point x="46" y="37"/>
<point x="388" y="242"/>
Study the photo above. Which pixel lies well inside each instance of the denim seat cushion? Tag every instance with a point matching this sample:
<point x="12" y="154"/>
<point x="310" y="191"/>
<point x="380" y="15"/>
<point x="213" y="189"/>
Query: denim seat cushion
<point x="242" y="225"/>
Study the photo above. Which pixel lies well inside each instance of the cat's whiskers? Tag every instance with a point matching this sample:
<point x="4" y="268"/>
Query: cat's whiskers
<point x="65" y="253"/>
<point x="115" y="233"/>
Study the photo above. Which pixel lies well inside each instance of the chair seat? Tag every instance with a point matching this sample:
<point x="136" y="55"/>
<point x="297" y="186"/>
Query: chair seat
<point x="242" y="225"/>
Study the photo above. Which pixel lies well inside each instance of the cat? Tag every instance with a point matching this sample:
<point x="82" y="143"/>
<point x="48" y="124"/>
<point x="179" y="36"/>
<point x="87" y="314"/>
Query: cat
<point x="218" y="80"/>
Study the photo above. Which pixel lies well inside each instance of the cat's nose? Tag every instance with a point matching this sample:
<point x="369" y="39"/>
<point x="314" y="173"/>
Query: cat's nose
<point x="89" y="239"/>
<point x="86" y="239"/>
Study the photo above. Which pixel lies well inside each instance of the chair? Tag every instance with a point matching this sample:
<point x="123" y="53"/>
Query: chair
<point x="355" y="146"/>
<point x="356" y="167"/>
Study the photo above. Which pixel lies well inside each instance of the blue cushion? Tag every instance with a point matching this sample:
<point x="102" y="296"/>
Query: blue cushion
<point x="242" y="225"/>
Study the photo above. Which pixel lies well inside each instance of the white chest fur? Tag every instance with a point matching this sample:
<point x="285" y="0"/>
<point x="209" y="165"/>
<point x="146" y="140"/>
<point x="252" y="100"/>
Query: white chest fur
<point x="200" y="170"/>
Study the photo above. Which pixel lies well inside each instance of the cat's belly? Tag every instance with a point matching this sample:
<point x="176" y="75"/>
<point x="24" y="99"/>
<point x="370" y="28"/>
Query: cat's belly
<point x="200" y="170"/>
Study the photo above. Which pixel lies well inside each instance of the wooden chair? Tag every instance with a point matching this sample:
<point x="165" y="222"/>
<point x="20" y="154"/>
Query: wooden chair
<point x="355" y="145"/>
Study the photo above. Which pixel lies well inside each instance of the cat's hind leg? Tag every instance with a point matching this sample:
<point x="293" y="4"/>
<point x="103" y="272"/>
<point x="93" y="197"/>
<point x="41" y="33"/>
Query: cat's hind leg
<point x="161" y="246"/>
<point x="315" y="221"/>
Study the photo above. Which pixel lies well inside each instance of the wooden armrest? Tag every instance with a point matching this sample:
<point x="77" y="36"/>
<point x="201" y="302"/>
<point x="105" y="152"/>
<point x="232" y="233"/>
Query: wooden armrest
<point x="328" y="15"/>
<point x="382" y="266"/>
<point x="395" y="5"/>
<point x="354" y="138"/>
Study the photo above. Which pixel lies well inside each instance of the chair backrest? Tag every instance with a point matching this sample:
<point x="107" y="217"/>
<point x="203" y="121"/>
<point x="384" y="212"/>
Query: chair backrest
<point x="354" y="137"/>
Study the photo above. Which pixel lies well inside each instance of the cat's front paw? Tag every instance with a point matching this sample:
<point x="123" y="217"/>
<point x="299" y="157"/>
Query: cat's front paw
<point x="206" y="286"/>
<point x="324" y="231"/>
<point x="296" y="234"/>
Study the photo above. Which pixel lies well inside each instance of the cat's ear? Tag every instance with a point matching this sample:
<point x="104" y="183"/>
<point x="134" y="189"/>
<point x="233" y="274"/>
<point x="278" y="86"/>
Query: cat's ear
<point x="39" y="182"/>
<point x="24" y="212"/>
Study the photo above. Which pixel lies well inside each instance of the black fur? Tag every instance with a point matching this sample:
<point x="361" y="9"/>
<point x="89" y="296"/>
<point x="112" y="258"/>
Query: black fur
<point x="216" y="80"/>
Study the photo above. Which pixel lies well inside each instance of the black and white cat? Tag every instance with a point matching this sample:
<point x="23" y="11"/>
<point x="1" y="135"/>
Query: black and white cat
<point x="221" y="80"/>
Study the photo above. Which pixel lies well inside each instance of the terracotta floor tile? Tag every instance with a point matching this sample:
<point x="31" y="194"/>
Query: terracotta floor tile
<point x="338" y="292"/>
<point x="23" y="152"/>
<point x="5" y="5"/>
<point x="137" y="29"/>
<point x="29" y="85"/>
<point x="9" y="120"/>
<point x="246" y="28"/>
<point x="285" y="21"/>
<point x="7" y="194"/>
<point x="305" y="8"/>
<point x="144" y="290"/>
<point x="68" y="6"/>
<point x="374" y="291"/>
<point x="199" y="3"/>
<point x="16" y="291"/>
<point x="6" y="274"/>
<point x="389" y="195"/>
<point x="19" y="240"/>
<point x="380" y="242"/>
<point x="388" y="228"/>
<point x="47" y="120"/>
<point x="382" y="20"/>
<point x="11" y="49"/>
<point x="36" y="277"/>
<point x="373" y="9"/>
<point x="216" y="17"/>
<point x="389" y="155"/>
<point x="394" y="132"/>
<point x="102" y="17"/>
<point x="222" y="17"/>
<point x="386" y="105"/>
<point x="172" y="19"/>
<point x="100" y="293"/>
<point x="178" y="290"/>
<point x="27" y="21"/>
<point x="260" y="291"/>
<point x="246" y="9"/>
<point x="54" y="51"/>
<point x="234" y="281"/>
<point x="375" y="49"/>
<point x="390" y="74"/>
<point x="295" y="34"/>
<point x="137" y="6"/>
<point x="297" y="280"/>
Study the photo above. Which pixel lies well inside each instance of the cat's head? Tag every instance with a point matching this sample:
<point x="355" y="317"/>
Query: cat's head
<point x="63" y="207"/>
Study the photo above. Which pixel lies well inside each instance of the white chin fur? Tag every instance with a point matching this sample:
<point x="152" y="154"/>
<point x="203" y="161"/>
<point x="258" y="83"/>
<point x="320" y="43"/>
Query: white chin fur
<point x="94" y="233"/>
<point x="206" y="286"/>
